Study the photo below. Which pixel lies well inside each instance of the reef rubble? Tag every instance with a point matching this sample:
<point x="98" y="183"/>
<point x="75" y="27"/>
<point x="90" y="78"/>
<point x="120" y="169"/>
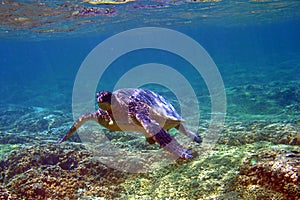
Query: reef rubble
<point x="272" y="174"/>
<point x="50" y="171"/>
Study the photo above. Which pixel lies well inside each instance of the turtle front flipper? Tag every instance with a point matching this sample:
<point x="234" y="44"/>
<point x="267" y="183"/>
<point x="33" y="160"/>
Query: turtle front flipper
<point x="164" y="139"/>
<point x="100" y="116"/>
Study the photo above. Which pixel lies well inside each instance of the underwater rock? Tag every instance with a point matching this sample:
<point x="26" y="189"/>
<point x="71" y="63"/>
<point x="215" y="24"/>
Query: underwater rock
<point x="10" y="114"/>
<point x="286" y="95"/>
<point x="57" y="172"/>
<point x="4" y="194"/>
<point x="276" y="101"/>
<point x="20" y="124"/>
<point x="240" y="133"/>
<point x="272" y="174"/>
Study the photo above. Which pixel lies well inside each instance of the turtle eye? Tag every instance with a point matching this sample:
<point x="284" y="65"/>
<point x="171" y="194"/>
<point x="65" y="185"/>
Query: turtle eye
<point x="99" y="100"/>
<point x="100" y="94"/>
<point x="103" y="97"/>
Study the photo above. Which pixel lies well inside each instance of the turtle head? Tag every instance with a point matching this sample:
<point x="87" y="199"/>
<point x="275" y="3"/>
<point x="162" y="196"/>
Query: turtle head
<point x="104" y="100"/>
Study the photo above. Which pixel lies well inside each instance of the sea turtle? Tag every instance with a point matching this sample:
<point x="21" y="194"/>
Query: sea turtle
<point x="141" y="110"/>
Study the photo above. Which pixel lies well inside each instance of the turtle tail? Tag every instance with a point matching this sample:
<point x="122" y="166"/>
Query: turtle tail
<point x="84" y="118"/>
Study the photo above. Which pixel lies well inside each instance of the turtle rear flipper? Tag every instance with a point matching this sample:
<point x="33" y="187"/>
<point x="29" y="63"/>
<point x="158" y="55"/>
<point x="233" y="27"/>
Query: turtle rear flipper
<point x="194" y="136"/>
<point x="164" y="139"/>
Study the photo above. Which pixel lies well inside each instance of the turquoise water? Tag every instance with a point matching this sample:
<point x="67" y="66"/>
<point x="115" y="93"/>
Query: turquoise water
<point x="254" y="44"/>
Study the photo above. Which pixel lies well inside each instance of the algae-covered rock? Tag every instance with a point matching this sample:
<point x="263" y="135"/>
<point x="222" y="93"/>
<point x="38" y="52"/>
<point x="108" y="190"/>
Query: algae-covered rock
<point x="272" y="174"/>
<point x="240" y="133"/>
<point x="57" y="172"/>
<point x="205" y="176"/>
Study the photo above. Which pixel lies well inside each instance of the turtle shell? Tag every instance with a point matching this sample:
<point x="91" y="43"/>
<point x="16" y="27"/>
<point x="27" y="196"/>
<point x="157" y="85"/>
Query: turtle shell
<point x="156" y="103"/>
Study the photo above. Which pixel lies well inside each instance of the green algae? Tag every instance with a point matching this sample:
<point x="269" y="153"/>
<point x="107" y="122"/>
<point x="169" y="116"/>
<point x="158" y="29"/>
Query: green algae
<point x="205" y="177"/>
<point x="7" y="148"/>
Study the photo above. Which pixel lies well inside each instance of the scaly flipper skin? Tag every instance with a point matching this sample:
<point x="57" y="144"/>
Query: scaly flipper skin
<point x="100" y="116"/>
<point x="195" y="137"/>
<point x="140" y="112"/>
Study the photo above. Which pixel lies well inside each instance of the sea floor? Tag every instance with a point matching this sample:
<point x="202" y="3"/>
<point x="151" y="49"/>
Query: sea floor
<point x="257" y="155"/>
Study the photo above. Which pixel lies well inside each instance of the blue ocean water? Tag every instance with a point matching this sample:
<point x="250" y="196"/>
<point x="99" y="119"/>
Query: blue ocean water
<point x="42" y="73"/>
<point x="254" y="44"/>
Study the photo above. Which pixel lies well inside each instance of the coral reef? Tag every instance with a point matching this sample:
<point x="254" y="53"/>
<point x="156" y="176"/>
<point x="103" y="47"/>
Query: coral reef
<point x="270" y="101"/>
<point x="272" y="174"/>
<point x="253" y="159"/>
<point x="200" y="178"/>
<point x="4" y="194"/>
<point x="20" y="124"/>
<point x="69" y="171"/>
<point x="240" y="133"/>
<point x="214" y="175"/>
<point x="57" y="172"/>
